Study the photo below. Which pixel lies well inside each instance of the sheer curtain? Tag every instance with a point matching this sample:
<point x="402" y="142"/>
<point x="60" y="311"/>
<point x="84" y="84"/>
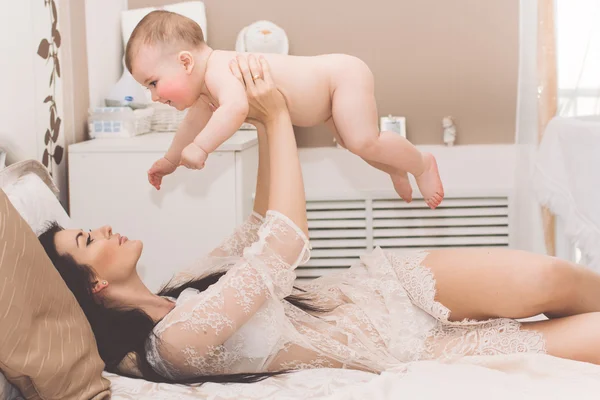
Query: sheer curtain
<point x="578" y="48"/>
<point x="559" y="75"/>
<point x="547" y="101"/>
<point x="527" y="218"/>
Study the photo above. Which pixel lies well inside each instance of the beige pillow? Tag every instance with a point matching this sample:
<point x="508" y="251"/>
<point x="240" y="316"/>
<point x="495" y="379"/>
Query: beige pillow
<point x="47" y="347"/>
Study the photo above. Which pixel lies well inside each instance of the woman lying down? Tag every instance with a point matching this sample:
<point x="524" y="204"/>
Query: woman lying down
<point x="236" y="316"/>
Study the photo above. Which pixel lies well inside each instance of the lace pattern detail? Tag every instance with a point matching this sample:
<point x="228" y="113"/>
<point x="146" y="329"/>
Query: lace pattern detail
<point x="311" y="364"/>
<point x="210" y="320"/>
<point x="494" y="337"/>
<point x="451" y="339"/>
<point x="382" y="314"/>
<point x="419" y="282"/>
<point x="244" y="236"/>
<point x="202" y="334"/>
<point x="216" y="360"/>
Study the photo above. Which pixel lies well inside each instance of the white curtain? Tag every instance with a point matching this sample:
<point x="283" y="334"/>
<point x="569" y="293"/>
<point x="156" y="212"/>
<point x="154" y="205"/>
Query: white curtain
<point x="577" y="43"/>
<point x="526" y="222"/>
<point x="578" y="48"/>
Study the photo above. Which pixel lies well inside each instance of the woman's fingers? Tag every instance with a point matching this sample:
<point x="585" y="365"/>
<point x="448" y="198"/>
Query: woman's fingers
<point x="255" y="69"/>
<point x="243" y="64"/>
<point x="235" y="70"/>
<point x="266" y="71"/>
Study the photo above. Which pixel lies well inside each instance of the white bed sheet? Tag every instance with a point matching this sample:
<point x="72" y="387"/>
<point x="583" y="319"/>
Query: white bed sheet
<point x="527" y="377"/>
<point x="306" y="384"/>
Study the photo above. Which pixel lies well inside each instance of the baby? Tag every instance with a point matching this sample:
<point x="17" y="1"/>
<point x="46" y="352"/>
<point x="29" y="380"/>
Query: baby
<point x="167" y="53"/>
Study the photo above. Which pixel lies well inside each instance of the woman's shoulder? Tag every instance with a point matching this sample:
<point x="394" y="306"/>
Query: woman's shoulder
<point x="176" y="315"/>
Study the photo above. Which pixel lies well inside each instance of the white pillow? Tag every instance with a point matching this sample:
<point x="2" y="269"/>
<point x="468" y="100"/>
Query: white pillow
<point x="32" y="192"/>
<point x="192" y="9"/>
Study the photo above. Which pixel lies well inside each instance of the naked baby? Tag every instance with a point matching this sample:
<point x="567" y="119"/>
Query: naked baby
<point x="167" y="53"/>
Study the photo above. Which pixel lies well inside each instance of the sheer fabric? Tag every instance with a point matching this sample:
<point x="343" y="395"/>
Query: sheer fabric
<point x="382" y="313"/>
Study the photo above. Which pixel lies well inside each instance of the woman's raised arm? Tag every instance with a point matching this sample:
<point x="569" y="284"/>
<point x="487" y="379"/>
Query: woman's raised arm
<point x="267" y="105"/>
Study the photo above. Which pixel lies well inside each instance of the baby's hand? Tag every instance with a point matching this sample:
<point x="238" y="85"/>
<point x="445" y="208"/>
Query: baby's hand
<point x="193" y="157"/>
<point x="160" y="168"/>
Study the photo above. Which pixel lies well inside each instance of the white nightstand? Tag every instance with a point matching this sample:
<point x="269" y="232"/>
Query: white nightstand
<point x="189" y="216"/>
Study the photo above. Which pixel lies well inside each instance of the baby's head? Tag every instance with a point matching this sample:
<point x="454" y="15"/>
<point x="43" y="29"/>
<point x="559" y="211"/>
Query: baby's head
<point x="161" y="55"/>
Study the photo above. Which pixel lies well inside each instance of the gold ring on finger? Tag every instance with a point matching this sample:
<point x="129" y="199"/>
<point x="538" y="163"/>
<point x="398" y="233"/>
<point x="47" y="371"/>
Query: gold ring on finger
<point x="255" y="77"/>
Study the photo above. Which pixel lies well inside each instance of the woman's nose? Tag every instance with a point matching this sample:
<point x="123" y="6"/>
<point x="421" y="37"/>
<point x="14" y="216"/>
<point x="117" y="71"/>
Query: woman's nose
<point x="103" y="232"/>
<point x="155" y="97"/>
<point x="106" y="231"/>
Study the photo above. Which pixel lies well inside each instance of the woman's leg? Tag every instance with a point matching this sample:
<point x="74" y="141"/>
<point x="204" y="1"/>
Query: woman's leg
<point x="574" y="337"/>
<point x="489" y="283"/>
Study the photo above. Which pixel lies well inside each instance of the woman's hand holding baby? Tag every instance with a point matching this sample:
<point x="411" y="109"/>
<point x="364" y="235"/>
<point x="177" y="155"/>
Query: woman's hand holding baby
<point x="266" y="102"/>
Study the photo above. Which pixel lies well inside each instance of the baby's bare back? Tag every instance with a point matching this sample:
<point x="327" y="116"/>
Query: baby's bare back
<point x="306" y="82"/>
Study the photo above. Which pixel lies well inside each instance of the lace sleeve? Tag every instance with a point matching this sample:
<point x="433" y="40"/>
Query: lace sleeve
<point x="243" y="236"/>
<point x="193" y="334"/>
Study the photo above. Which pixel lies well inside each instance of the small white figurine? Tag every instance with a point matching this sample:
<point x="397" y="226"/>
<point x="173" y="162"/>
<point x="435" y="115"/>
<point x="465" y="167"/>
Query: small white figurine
<point x="449" y="131"/>
<point x="262" y="37"/>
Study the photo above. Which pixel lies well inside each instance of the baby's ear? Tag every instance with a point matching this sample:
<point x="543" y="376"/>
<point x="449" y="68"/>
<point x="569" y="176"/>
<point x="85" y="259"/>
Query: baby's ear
<point x="186" y="59"/>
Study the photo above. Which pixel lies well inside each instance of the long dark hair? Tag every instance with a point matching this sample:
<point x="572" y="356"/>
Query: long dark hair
<point x="121" y="331"/>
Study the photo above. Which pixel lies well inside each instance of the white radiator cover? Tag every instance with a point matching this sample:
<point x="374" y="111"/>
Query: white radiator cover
<point x="341" y="230"/>
<point x="352" y="207"/>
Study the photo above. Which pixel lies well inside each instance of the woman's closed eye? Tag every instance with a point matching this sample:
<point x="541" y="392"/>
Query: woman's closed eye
<point x="89" y="240"/>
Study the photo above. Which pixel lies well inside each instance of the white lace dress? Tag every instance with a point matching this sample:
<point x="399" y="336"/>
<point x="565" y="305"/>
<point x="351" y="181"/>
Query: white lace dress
<point x="383" y="313"/>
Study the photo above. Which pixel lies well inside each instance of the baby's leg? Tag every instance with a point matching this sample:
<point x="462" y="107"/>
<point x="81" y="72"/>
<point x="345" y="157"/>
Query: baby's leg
<point x="399" y="177"/>
<point x="355" y="116"/>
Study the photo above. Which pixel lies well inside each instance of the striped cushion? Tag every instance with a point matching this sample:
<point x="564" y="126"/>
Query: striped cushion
<point x="47" y="348"/>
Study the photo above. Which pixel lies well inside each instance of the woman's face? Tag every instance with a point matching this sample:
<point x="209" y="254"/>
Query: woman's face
<point x="113" y="257"/>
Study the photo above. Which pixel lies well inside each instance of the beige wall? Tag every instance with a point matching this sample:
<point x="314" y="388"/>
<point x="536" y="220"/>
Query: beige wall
<point x="80" y="89"/>
<point x="430" y="58"/>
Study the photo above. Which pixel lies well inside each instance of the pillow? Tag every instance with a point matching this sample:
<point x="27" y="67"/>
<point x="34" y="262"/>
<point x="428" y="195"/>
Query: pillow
<point x="32" y="192"/>
<point x="191" y="9"/>
<point x="48" y="349"/>
<point x="8" y="391"/>
<point x="2" y="158"/>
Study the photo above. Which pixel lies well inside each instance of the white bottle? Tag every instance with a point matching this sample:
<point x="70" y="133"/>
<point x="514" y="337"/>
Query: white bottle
<point x="127" y="92"/>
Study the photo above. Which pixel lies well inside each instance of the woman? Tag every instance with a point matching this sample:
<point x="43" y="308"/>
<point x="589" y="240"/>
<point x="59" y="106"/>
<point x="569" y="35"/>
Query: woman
<point x="236" y="317"/>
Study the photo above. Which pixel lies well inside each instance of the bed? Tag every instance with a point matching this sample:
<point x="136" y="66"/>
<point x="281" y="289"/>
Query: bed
<point x="495" y="377"/>
<point x="492" y="377"/>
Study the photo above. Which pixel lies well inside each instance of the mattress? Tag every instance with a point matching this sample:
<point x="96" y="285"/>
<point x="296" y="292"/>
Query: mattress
<point x="498" y="377"/>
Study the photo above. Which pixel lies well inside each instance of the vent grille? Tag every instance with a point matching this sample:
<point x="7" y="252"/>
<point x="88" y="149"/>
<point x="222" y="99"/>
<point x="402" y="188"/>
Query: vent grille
<point x="342" y="230"/>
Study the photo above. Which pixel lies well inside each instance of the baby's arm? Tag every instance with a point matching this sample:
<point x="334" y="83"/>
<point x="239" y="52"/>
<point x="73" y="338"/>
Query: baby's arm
<point x="231" y="114"/>
<point x="195" y="120"/>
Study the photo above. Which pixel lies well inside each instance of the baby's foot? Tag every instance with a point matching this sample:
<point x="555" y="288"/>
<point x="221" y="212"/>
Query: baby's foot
<point x="402" y="186"/>
<point x="430" y="183"/>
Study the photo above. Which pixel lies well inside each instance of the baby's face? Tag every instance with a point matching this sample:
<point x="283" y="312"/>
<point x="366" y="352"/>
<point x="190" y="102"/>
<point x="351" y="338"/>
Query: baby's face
<point x="159" y="70"/>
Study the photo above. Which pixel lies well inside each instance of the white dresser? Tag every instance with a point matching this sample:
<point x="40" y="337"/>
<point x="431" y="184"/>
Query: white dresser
<point x="189" y="216"/>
